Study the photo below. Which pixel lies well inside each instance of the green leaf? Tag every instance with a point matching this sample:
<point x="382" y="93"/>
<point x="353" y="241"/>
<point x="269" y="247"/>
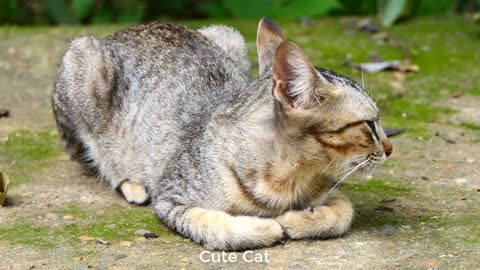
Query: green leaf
<point x="131" y="16"/>
<point x="82" y="8"/>
<point x="104" y="16"/>
<point x="396" y="9"/>
<point x="249" y="9"/>
<point x="298" y="8"/>
<point x="58" y="11"/>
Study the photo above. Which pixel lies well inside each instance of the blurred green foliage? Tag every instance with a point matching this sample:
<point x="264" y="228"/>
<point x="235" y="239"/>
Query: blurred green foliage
<point x="134" y="11"/>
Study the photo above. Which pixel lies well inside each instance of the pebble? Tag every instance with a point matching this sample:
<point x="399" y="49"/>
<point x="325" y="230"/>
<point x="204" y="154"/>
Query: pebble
<point x="150" y="235"/>
<point x="406" y="227"/>
<point x="120" y="255"/>
<point x="112" y="226"/>
<point x="461" y="181"/>
<point x="4" y="113"/>
<point x="142" y="232"/>
<point x="388" y="229"/>
<point x="101" y="267"/>
<point x="126" y="244"/>
<point x="83" y="267"/>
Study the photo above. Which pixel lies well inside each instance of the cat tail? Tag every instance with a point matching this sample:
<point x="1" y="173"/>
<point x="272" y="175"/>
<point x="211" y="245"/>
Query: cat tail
<point x="217" y="230"/>
<point x="82" y="97"/>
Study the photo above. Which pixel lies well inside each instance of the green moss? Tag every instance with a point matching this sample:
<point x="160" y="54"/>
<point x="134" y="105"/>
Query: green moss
<point x="463" y="231"/>
<point x="470" y="126"/>
<point x="378" y="186"/>
<point x="27" y="152"/>
<point x="89" y="221"/>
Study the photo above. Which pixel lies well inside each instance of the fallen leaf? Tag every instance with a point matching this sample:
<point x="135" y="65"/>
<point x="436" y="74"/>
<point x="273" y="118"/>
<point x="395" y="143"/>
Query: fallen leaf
<point x="458" y="94"/>
<point x="86" y="238"/>
<point x="69" y="217"/>
<point x="3" y="188"/>
<point x="373" y="67"/>
<point x="393" y="65"/>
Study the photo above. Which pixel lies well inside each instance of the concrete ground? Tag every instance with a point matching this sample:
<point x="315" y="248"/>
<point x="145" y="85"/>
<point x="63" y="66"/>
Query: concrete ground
<point x="420" y="211"/>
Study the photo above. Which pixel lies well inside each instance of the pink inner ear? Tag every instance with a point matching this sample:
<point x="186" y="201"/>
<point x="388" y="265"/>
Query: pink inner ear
<point x="292" y="67"/>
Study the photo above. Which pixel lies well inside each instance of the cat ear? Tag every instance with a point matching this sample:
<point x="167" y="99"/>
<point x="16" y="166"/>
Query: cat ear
<point x="295" y="79"/>
<point x="269" y="36"/>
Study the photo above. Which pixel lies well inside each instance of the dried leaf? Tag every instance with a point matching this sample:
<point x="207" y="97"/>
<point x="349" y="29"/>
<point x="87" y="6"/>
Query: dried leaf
<point x="69" y="217"/>
<point x="86" y="238"/>
<point x="3" y="188"/>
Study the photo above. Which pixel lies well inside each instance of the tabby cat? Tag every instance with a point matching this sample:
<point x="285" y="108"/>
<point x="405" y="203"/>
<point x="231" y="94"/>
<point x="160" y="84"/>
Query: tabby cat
<point x="169" y="115"/>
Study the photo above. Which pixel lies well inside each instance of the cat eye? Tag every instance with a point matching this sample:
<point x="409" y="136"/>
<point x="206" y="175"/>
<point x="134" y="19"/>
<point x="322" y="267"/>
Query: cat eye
<point x="371" y="124"/>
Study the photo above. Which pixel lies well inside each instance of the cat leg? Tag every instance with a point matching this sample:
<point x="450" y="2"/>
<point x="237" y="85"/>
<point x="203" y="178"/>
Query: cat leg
<point x="133" y="192"/>
<point x="217" y="230"/>
<point x="331" y="219"/>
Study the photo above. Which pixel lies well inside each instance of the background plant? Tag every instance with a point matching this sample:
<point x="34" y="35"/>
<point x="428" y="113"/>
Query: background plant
<point x="134" y="11"/>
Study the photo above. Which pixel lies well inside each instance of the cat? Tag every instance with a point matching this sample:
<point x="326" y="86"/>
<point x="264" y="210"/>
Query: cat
<point x="167" y="114"/>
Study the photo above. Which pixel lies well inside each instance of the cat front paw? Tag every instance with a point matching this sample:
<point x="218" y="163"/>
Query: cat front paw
<point x="330" y="220"/>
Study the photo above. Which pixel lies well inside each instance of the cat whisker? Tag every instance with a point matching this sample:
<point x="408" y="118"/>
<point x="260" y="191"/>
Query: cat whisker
<point x="348" y="174"/>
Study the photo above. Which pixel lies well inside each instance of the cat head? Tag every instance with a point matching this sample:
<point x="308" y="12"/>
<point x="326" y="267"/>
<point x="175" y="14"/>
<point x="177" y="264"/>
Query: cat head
<point x="324" y="115"/>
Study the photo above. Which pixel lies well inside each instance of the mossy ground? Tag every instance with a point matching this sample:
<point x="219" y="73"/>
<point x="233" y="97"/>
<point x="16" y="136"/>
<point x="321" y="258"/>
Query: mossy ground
<point x="433" y="213"/>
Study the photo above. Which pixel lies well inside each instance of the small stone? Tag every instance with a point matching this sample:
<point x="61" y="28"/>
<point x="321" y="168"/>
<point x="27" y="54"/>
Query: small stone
<point x="150" y="235"/>
<point x="461" y="181"/>
<point x="4" y="113"/>
<point x="101" y="267"/>
<point x="387" y="229"/>
<point x="120" y="255"/>
<point x="126" y="244"/>
<point x="450" y="141"/>
<point x="112" y="226"/>
<point x="406" y="227"/>
<point x="83" y="267"/>
<point x="142" y="232"/>
<point x="86" y="238"/>
<point x="470" y="160"/>
<point x="69" y="217"/>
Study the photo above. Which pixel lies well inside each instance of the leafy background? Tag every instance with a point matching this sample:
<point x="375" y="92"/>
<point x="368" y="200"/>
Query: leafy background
<point x="388" y="12"/>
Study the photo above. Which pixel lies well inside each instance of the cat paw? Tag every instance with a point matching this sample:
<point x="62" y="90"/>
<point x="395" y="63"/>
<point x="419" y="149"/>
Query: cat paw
<point x="134" y="192"/>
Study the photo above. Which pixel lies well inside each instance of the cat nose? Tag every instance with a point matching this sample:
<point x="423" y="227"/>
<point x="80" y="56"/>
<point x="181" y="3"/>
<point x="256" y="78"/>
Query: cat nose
<point x="387" y="147"/>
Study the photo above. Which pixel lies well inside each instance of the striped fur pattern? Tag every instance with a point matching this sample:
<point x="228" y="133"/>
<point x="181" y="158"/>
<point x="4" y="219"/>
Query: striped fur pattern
<point x="169" y="114"/>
